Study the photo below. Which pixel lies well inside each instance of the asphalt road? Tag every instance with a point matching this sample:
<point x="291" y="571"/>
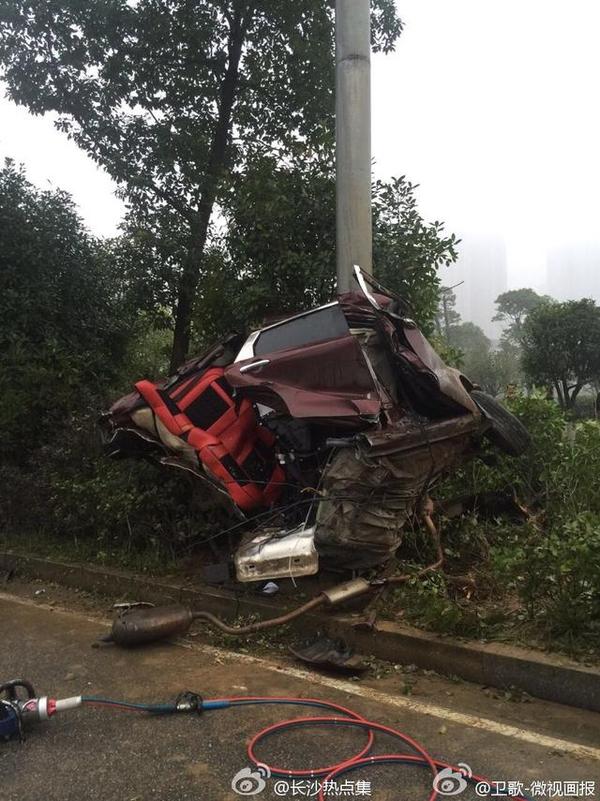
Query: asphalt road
<point x="113" y="756"/>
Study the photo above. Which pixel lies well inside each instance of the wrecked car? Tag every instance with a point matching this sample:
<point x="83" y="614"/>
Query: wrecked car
<point x="324" y="431"/>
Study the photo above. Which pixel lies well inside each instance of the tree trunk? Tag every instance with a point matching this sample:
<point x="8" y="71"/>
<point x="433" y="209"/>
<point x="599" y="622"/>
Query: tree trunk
<point x="186" y="292"/>
<point x="217" y="161"/>
<point x="573" y="397"/>
<point x="559" y="395"/>
<point x="446" y="317"/>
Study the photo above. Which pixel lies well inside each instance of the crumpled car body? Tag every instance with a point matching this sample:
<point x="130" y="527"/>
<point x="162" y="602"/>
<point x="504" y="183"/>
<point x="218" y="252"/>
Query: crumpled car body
<point x="324" y="431"/>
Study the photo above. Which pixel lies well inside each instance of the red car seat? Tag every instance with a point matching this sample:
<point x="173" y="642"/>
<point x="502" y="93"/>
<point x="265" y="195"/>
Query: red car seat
<point x="225" y="433"/>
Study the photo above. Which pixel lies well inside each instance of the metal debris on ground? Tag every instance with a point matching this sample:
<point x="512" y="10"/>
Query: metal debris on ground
<point x="330" y="654"/>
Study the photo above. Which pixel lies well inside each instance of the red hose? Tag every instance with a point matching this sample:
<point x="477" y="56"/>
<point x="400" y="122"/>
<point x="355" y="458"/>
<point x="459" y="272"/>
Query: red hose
<point x="334" y="770"/>
<point x="349" y="714"/>
<point x="351" y="718"/>
<point x="328" y="773"/>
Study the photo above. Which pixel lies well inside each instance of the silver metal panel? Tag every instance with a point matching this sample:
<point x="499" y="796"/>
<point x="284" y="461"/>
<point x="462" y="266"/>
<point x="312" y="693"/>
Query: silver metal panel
<point x="275" y="554"/>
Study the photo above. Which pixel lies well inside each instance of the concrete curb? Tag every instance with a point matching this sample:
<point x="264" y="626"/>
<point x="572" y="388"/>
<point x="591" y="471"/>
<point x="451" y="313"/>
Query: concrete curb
<point x="552" y="678"/>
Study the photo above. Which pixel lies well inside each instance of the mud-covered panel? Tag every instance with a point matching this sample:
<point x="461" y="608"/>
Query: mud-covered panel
<point x="368" y="498"/>
<point x="360" y="523"/>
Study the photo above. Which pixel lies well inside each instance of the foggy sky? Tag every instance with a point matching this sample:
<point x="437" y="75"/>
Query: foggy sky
<point x="492" y="108"/>
<point x="490" y="105"/>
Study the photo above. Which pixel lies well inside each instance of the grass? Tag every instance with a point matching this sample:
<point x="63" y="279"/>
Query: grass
<point x="150" y="561"/>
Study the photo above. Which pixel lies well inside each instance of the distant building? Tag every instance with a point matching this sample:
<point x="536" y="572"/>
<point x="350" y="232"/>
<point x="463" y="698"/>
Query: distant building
<point x="483" y="270"/>
<point x="573" y="271"/>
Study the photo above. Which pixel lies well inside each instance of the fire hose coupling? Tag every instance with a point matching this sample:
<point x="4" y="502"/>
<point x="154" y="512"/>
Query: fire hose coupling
<point x="38" y="709"/>
<point x="347" y="591"/>
<point x="35" y="710"/>
<point x="189" y="702"/>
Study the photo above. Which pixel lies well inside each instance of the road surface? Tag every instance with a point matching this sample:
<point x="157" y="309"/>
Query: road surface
<point x="115" y="756"/>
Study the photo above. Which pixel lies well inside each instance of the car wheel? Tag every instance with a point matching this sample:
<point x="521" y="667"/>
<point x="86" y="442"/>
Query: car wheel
<point x="508" y="433"/>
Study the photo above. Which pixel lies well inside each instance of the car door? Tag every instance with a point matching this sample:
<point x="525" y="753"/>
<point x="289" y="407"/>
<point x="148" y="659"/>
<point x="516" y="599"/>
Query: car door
<point x="309" y="366"/>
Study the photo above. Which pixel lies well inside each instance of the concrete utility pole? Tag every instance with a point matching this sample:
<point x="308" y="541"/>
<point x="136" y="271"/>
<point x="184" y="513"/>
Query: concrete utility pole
<point x="353" y="139"/>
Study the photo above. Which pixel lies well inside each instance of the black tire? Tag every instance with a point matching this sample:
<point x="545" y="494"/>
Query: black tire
<point x="506" y="432"/>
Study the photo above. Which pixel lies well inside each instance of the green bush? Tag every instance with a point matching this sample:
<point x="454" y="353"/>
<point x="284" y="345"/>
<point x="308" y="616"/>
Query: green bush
<point x="525" y="476"/>
<point x="81" y="503"/>
<point x="540" y="574"/>
<point x="556" y="572"/>
<point x="63" y="323"/>
<point x="67" y="329"/>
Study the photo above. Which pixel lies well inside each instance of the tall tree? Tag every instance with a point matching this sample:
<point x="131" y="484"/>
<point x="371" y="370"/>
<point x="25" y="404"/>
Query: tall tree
<point x="171" y="96"/>
<point x="513" y="307"/>
<point x="446" y="318"/>
<point x="470" y="339"/>
<point x="561" y="347"/>
<point x="278" y="249"/>
<point x="407" y="250"/>
<point x="495" y="370"/>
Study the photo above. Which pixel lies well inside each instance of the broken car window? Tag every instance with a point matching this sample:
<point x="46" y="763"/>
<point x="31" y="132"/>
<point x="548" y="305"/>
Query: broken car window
<point x="315" y="326"/>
